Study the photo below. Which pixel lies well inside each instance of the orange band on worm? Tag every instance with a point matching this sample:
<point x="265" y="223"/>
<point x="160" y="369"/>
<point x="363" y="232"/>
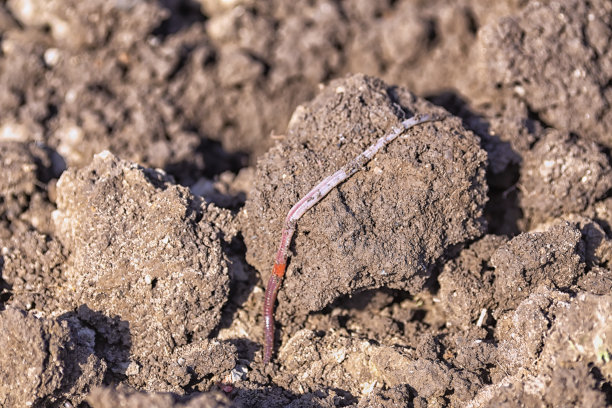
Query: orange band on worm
<point x="279" y="270"/>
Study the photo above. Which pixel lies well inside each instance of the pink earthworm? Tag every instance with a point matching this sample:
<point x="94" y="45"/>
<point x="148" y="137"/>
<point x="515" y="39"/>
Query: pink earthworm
<point x="308" y="201"/>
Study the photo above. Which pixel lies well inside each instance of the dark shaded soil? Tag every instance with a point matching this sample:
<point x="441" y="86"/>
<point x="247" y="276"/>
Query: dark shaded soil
<point x="151" y="149"/>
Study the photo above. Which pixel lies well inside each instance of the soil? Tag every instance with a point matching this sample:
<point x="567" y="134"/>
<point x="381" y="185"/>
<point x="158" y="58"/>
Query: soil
<point x="150" y="151"/>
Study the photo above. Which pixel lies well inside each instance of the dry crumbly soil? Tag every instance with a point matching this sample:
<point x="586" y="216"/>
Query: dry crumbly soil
<point x="151" y="149"/>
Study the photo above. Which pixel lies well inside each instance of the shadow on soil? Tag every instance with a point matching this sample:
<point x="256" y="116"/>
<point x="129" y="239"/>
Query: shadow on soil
<point x="502" y="211"/>
<point x="113" y="340"/>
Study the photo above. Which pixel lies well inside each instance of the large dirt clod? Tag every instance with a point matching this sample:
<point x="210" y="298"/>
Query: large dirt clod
<point x="386" y="226"/>
<point x="147" y="267"/>
<point x="556" y="57"/>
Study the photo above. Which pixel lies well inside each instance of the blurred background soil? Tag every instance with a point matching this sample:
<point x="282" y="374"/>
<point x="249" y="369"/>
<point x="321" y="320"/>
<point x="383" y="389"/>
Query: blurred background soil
<point x="150" y="150"/>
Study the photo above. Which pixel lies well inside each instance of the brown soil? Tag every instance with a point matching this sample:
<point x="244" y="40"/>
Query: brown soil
<point x="151" y="149"/>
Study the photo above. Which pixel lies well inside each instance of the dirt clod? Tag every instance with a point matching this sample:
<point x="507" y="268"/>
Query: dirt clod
<point x="553" y="350"/>
<point x="561" y="175"/>
<point x="147" y="284"/>
<point x="553" y="258"/>
<point x="553" y="56"/>
<point x="432" y="179"/>
<point x="59" y="356"/>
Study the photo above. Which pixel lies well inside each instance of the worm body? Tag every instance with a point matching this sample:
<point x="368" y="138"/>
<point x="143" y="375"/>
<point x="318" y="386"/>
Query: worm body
<point x="304" y="204"/>
<point x="271" y="292"/>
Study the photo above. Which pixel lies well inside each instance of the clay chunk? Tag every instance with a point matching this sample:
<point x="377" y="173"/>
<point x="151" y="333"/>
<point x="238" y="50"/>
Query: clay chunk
<point x="147" y="270"/>
<point x="387" y="225"/>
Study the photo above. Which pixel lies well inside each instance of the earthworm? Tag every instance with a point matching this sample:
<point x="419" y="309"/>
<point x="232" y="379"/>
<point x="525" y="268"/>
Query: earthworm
<point x="308" y="201"/>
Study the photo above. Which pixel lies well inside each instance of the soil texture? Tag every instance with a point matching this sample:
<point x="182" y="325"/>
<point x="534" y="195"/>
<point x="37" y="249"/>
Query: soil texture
<point x="150" y="151"/>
